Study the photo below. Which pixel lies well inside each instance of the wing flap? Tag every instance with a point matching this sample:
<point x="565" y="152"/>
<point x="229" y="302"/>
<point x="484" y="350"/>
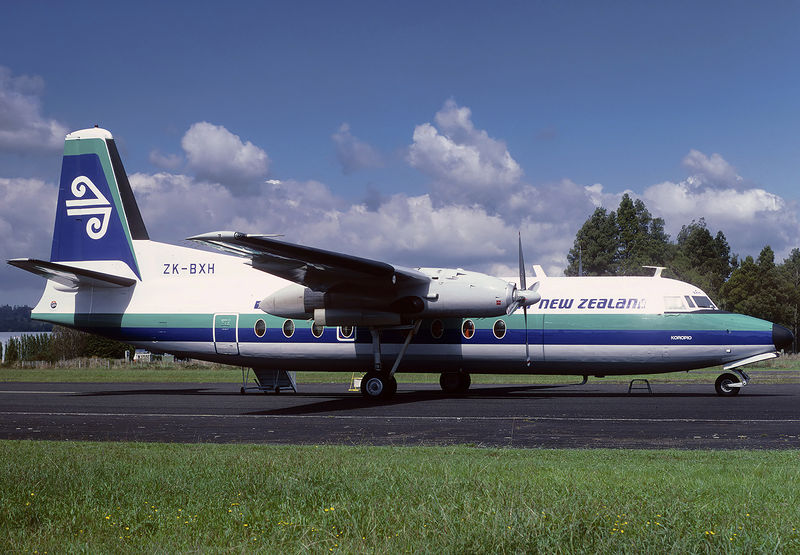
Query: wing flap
<point x="70" y="276"/>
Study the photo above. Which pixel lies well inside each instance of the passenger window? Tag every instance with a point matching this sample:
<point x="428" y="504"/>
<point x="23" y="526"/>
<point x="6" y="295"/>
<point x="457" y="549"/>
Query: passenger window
<point x="288" y="328"/>
<point x="499" y="329"/>
<point x="468" y="329"/>
<point x="260" y="328"/>
<point x="317" y="329"/>
<point x="673" y="303"/>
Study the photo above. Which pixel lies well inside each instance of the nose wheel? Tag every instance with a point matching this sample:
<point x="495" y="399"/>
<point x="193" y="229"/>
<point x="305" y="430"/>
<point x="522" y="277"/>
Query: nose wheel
<point x="728" y="385"/>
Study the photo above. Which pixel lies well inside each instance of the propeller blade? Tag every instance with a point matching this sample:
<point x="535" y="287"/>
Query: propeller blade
<point x="523" y="298"/>
<point x="527" y="347"/>
<point x="521" y="264"/>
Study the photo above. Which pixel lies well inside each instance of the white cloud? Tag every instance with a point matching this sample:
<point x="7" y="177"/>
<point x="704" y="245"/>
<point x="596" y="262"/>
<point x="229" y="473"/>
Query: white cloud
<point x="750" y="217"/>
<point x="464" y="162"/>
<point x="213" y="153"/>
<point x="23" y="128"/>
<point x="354" y="154"/>
<point x="406" y="230"/>
<point x="171" y="162"/>
<point x="711" y="170"/>
<point x="27" y="213"/>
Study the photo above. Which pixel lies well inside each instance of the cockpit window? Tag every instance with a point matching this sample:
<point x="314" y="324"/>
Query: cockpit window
<point x="689" y="301"/>
<point x="703" y="302"/>
<point x="674" y="303"/>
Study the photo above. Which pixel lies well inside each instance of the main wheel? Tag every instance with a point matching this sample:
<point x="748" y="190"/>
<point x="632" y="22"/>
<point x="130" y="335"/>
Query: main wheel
<point x="378" y="386"/>
<point x="466" y="381"/>
<point x="454" y="382"/>
<point x="723" y="385"/>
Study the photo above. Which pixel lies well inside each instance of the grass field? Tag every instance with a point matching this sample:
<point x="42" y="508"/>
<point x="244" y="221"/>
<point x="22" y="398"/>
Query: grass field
<point x="129" y="497"/>
<point x="781" y="370"/>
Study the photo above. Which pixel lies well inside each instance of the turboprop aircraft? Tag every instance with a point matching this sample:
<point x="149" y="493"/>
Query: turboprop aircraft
<point x="279" y="307"/>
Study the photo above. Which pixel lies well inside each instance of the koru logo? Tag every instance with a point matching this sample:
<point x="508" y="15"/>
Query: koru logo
<point x="98" y="206"/>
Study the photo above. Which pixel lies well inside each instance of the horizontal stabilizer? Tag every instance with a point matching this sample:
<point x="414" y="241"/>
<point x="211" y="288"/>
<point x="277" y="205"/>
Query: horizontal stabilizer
<point x="71" y="276"/>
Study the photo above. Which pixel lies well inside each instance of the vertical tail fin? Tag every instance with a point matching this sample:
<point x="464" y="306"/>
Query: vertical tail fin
<point x="97" y="218"/>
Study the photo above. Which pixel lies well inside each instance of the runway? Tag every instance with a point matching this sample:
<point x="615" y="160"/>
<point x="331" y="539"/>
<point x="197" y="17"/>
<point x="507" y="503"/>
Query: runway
<point x="588" y="416"/>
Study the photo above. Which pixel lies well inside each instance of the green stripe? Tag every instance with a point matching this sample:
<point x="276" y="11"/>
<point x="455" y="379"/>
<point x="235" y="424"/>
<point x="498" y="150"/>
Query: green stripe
<point x="699" y="322"/>
<point x="688" y="321"/>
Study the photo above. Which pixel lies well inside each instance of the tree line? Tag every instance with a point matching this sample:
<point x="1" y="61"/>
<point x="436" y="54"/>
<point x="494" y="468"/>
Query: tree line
<point x="621" y="242"/>
<point x="62" y="344"/>
<point x="18" y="318"/>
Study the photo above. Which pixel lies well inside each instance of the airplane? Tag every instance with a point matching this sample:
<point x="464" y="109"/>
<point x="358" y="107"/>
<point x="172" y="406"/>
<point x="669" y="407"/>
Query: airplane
<point x="279" y="307"/>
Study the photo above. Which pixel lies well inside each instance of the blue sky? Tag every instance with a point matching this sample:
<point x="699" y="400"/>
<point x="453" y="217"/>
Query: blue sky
<point x="414" y="132"/>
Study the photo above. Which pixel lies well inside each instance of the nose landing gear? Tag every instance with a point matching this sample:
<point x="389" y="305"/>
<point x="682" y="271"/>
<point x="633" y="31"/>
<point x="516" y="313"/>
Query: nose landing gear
<point x="728" y="385"/>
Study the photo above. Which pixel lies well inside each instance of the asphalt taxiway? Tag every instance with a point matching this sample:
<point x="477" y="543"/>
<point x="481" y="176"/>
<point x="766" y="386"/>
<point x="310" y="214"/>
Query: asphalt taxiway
<point x="592" y="415"/>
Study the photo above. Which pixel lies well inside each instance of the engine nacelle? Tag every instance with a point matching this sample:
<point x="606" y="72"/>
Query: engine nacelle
<point x="293" y="301"/>
<point x="449" y="294"/>
<point x="460" y="294"/>
<point x="348" y="317"/>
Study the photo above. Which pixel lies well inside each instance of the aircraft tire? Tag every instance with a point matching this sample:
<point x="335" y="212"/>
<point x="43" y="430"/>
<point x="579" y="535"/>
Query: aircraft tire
<point x="466" y="381"/>
<point x="722" y="385"/>
<point x="454" y="382"/>
<point x="377" y="386"/>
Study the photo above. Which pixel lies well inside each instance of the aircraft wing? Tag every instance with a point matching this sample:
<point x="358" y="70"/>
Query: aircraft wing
<point x="318" y="269"/>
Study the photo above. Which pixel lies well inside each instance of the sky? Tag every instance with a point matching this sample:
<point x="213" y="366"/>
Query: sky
<point x="417" y="133"/>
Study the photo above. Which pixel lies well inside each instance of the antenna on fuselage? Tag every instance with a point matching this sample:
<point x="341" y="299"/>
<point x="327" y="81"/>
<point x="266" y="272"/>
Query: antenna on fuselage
<point x="658" y="270"/>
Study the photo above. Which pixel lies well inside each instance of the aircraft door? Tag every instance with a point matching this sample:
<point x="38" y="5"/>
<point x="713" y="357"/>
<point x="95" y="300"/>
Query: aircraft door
<point x="536" y="337"/>
<point x="226" y="334"/>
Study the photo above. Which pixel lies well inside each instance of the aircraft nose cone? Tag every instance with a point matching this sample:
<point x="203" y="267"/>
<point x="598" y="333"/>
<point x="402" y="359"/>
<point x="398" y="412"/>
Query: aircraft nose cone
<point x="781" y="337"/>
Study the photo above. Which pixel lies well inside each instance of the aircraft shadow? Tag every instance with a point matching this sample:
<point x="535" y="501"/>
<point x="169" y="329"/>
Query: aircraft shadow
<point x="164" y="391"/>
<point x="354" y="401"/>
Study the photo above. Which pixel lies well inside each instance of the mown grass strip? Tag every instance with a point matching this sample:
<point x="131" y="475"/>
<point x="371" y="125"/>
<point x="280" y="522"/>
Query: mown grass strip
<point x="133" y="497"/>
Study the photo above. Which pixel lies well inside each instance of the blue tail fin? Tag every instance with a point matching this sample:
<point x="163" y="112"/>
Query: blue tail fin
<point x="97" y="217"/>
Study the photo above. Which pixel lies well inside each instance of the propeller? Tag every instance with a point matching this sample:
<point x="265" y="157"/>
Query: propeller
<point x="524" y="297"/>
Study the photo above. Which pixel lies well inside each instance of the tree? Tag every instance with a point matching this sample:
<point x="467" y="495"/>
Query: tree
<point x="619" y="243"/>
<point x="596" y="246"/>
<point x="791" y="275"/>
<point x="701" y="259"/>
<point x="759" y="289"/>
<point x="642" y="240"/>
<point x="12" y="351"/>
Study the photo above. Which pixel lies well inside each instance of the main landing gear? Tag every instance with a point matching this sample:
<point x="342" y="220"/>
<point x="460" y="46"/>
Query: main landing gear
<point x="728" y="385"/>
<point x="378" y="384"/>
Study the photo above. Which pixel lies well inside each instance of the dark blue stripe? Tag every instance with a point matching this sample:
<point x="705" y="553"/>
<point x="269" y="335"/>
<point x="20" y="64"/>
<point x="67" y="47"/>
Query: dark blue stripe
<point x="481" y="337"/>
